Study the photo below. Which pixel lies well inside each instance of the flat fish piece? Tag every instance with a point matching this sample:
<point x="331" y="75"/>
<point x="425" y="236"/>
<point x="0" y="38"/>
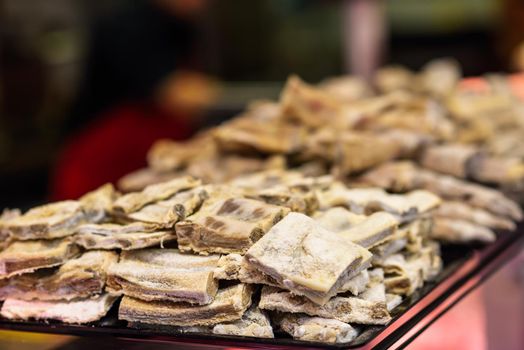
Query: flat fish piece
<point x="134" y="201"/>
<point x="27" y="256"/>
<point x="254" y="323"/>
<point x="125" y="237"/>
<point x="77" y="278"/>
<point x="72" y="311"/>
<point x="303" y="257"/>
<point x="229" y="305"/>
<point x="317" y="329"/>
<point x="344" y="309"/>
<point x="164" y="275"/>
<point x="229" y="225"/>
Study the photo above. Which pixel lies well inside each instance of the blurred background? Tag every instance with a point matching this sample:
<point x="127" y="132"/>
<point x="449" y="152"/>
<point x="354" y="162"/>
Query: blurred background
<point x="67" y="66"/>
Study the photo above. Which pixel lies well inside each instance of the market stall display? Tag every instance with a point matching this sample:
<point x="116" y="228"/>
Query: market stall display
<point x="313" y="217"/>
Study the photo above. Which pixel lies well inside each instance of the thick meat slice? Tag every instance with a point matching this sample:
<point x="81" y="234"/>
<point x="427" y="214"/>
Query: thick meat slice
<point x="254" y="323"/>
<point x="404" y="176"/>
<point x="164" y="274"/>
<point x="132" y="202"/>
<point x="303" y="257"/>
<point x="125" y="237"/>
<point x="48" y="221"/>
<point x="77" y="278"/>
<point x="317" y="329"/>
<point x="460" y="231"/>
<point x="165" y="214"/>
<point x="462" y="211"/>
<point x="229" y="305"/>
<point x="344" y="309"/>
<point x="27" y="256"/>
<point x="229" y="225"/>
<point x="73" y="311"/>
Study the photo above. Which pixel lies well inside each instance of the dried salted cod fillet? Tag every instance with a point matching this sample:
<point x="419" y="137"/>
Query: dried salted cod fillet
<point x="229" y="305"/>
<point x="126" y="237"/>
<point x="164" y="274"/>
<point x="234" y="267"/>
<point x="244" y="135"/>
<point x="306" y="259"/>
<point x="166" y="213"/>
<point x="97" y="204"/>
<point x="338" y="219"/>
<point x="254" y="323"/>
<point x="77" y="278"/>
<point x="72" y="311"/>
<point x="366" y="231"/>
<point x="139" y="179"/>
<point x="312" y="107"/>
<point x="451" y="159"/>
<point x="27" y="256"/>
<point x="168" y="155"/>
<point x="403" y="176"/>
<point x="393" y="300"/>
<point x="47" y="221"/>
<point x="369" y="200"/>
<point x="405" y="275"/>
<point x="317" y="329"/>
<point x="462" y="211"/>
<point x="132" y="202"/>
<point x="345" y="309"/>
<point x="5" y="236"/>
<point x="460" y="231"/>
<point x="228" y="225"/>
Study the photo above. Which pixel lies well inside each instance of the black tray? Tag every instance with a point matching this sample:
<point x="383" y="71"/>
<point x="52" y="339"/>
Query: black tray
<point x="465" y="267"/>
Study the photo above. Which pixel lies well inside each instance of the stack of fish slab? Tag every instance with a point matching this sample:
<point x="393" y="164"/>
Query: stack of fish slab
<point x="177" y="287"/>
<point x="324" y="273"/>
<point x="165" y="286"/>
<point x="469" y="212"/>
<point x="43" y="273"/>
<point x="271" y="251"/>
<point x="56" y="257"/>
<point x="144" y="219"/>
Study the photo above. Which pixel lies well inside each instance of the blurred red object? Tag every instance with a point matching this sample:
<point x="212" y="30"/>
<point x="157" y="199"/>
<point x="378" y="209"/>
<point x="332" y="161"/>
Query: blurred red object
<point x="112" y="146"/>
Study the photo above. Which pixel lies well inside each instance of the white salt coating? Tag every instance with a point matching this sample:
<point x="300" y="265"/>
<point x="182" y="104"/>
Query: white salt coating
<point x="78" y="311"/>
